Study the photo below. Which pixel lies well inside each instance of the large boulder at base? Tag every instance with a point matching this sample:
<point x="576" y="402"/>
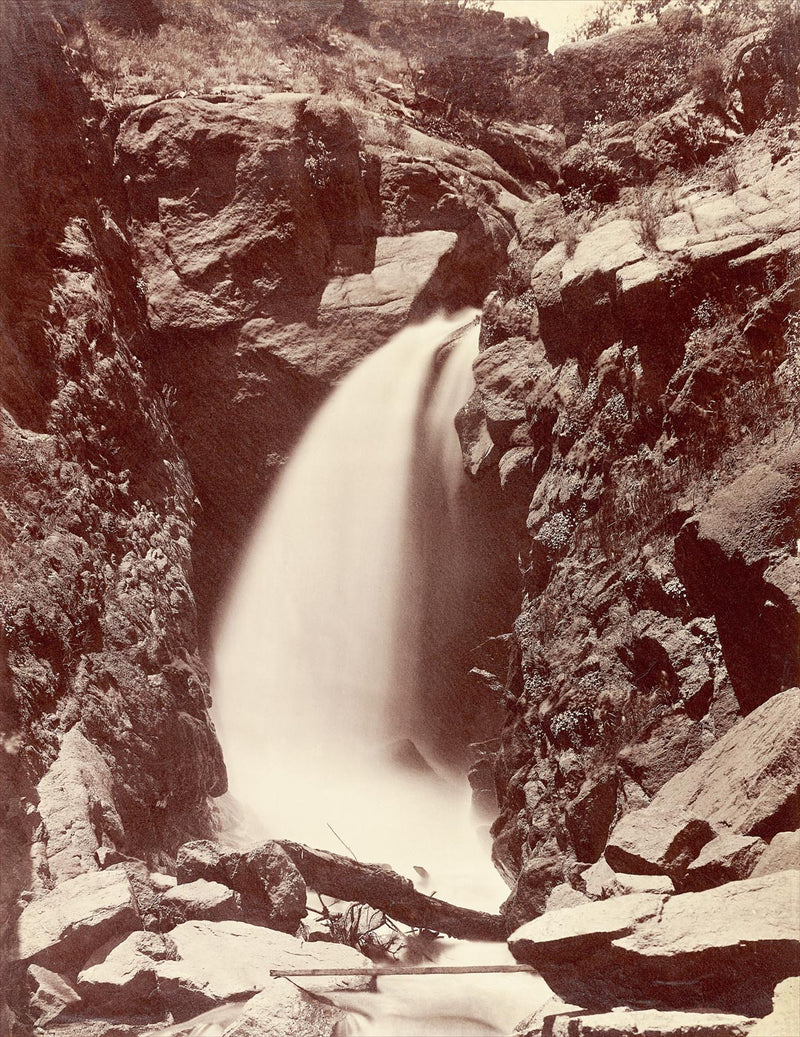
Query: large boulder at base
<point x="723" y="949"/>
<point x="61" y="929"/>
<point x="223" y="961"/>
<point x="121" y="975"/>
<point x="76" y="804"/>
<point x="782" y="854"/>
<point x="747" y="782"/>
<point x="282" y="1008"/>
<point x="726" y="858"/>
<point x="189" y="901"/>
<point x="52" y="995"/>
<point x="665" y="843"/>
<point x="646" y="1023"/>
<point x="600" y="882"/>
<point x="784" y="1019"/>
<point x="271" y="888"/>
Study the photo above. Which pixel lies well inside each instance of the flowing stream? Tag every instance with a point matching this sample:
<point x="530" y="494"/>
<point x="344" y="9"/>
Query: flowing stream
<point x="320" y="699"/>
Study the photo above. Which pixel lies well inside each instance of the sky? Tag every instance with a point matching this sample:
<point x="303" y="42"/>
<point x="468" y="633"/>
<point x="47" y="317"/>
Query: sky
<point x="556" y="16"/>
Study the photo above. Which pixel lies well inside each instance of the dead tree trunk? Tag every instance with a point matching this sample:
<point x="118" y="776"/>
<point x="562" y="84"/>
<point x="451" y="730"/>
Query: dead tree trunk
<point x="381" y="888"/>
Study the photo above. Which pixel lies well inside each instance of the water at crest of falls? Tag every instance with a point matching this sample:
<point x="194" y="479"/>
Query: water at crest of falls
<point x="315" y="698"/>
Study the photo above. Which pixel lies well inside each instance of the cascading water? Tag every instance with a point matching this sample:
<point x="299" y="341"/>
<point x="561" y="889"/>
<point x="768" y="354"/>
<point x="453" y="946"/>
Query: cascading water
<point x="313" y="707"/>
<point x="318" y="695"/>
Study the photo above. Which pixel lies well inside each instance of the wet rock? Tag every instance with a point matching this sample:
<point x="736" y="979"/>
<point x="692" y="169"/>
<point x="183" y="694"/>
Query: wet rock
<point x="643" y="950"/>
<point x="502" y="377"/>
<point x="61" y="929"/>
<point x="272" y="890"/>
<point x="197" y="900"/>
<point x="52" y="996"/>
<point x="283" y="1008"/>
<point x="121" y="975"/>
<point x="626" y="1023"/>
<point x="539" y="875"/>
<point x="747" y="781"/>
<point x="782" y="853"/>
<point x="785" y="1015"/>
<point x="726" y="858"/>
<point x="222" y="961"/>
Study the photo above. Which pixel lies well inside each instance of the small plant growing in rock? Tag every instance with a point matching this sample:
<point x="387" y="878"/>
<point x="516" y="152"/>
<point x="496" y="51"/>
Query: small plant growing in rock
<point x="516" y="278"/>
<point x="648" y="215"/>
<point x="729" y="174"/>
<point x="319" y="162"/>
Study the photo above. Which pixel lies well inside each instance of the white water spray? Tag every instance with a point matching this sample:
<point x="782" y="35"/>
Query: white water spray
<point x="309" y="698"/>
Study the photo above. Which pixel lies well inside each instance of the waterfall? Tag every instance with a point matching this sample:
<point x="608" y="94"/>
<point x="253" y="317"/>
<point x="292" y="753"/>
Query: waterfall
<point x="319" y="700"/>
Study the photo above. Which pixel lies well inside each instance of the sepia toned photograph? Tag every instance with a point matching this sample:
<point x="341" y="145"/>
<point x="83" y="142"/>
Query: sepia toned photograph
<point x="400" y="518"/>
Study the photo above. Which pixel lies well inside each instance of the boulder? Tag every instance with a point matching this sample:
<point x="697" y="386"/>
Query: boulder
<point x="726" y="555"/>
<point x="600" y="881"/>
<point x="726" y="858"/>
<point x="121" y="975"/>
<point x="782" y="854"/>
<point x="239" y="201"/>
<point x="722" y="949"/>
<point x="272" y="889"/>
<point x="564" y="895"/>
<point x="52" y="995"/>
<point x="502" y="380"/>
<point x="199" y="899"/>
<point x="590" y="814"/>
<point x="659" y="839"/>
<point x="201" y="859"/>
<point x="222" y="961"/>
<point x="747" y="782"/>
<point x="283" y="1008"/>
<point x="76" y="804"/>
<point x="784" y="1019"/>
<point x="648" y="1023"/>
<point x="61" y="929"/>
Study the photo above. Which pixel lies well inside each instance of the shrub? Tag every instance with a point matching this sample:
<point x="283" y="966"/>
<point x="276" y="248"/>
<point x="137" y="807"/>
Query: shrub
<point x="729" y="174"/>
<point x="516" y="278"/>
<point x="587" y="167"/>
<point x="648" y="217"/>
<point x="708" y="79"/>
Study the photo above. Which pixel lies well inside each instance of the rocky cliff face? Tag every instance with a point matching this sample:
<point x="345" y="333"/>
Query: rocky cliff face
<point x="640" y="402"/>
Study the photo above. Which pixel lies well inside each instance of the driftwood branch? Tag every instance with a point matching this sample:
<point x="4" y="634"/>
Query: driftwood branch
<point x="387" y="891"/>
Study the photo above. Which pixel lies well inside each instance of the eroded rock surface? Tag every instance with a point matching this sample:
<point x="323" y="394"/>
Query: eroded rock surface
<point x="61" y="929"/>
<point x="724" y="948"/>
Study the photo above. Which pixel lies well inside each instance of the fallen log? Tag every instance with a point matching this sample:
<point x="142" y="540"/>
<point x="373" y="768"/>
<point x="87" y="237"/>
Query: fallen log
<point x="385" y="890"/>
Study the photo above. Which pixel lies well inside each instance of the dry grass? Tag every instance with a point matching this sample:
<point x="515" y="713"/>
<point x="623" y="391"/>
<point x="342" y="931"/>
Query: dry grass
<point x="212" y="45"/>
